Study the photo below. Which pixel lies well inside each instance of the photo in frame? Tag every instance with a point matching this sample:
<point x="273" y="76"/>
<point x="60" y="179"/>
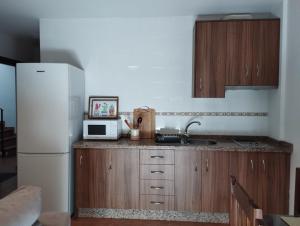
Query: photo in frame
<point x="103" y="107"/>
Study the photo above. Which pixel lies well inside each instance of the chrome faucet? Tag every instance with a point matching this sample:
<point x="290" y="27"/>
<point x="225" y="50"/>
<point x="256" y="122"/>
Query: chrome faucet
<point x="188" y="125"/>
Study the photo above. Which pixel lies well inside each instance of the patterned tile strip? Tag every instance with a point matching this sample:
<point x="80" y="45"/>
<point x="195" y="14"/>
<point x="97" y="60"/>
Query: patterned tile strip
<point x="227" y="114"/>
<point x="155" y="215"/>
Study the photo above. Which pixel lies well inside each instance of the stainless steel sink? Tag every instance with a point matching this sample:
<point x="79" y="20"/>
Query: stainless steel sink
<point x="201" y="141"/>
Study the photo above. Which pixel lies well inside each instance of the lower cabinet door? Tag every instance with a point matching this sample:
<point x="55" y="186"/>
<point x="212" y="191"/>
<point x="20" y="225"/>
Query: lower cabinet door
<point x="215" y="181"/>
<point x="122" y="189"/>
<point x="273" y="186"/>
<point x="188" y="180"/>
<point x="91" y="177"/>
<point x="243" y="166"/>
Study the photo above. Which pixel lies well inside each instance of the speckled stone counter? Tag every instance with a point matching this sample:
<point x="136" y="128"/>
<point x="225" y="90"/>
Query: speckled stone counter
<point x="224" y="143"/>
<point x="222" y="218"/>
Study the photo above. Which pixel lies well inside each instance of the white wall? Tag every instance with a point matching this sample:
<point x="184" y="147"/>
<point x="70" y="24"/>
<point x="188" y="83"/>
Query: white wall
<point x="23" y="49"/>
<point x="147" y="61"/>
<point x="292" y="104"/>
<point x="277" y="96"/>
<point x="8" y="94"/>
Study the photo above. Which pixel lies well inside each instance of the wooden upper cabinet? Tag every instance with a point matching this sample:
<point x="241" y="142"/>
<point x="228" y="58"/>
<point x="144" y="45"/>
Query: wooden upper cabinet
<point x="239" y="53"/>
<point x="210" y="59"/>
<point x="253" y="53"/>
<point x="215" y="181"/>
<point x="266" y="43"/>
<point x="235" y="53"/>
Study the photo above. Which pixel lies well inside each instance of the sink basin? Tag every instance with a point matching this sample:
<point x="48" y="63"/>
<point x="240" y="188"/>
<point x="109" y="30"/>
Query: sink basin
<point x="202" y="142"/>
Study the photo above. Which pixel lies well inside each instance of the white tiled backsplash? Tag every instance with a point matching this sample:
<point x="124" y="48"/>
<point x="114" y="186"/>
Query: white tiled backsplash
<point x="148" y="62"/>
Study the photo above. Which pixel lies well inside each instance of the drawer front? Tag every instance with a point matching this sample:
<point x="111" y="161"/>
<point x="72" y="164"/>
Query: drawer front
<point x="157" y="187"/>
<point x="157" y="172"/>
<point x="151" y="156"/>
<point x="156" y="202"/>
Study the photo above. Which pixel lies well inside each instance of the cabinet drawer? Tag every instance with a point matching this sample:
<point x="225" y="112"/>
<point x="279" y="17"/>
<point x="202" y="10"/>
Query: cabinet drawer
<point x="157" y="187"/>
<point x="156" y="202"/>
<point x="157" y="172"/>
<point x="152" y="156"/>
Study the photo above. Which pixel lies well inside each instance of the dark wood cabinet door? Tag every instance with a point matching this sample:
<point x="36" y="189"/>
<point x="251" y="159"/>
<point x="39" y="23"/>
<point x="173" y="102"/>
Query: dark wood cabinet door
<point x="81" y="181"/>
<point x="123" y="179"/>
<point x="188" y="180"/>
<point x="273" y="189"/>
<point x="215" y="181"/>
<point x="91" y="178"/>
<point x="210" y="59"/>
<point x="266" y="45"/>
<point x="244" y="166"/>
<point x="239" y="53"/>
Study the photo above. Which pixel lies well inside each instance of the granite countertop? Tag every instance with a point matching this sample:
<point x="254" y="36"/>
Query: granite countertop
<point x="224" y="143"/>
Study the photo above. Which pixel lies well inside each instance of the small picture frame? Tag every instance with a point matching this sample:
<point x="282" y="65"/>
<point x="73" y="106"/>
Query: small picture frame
<point x="103" y="107"/>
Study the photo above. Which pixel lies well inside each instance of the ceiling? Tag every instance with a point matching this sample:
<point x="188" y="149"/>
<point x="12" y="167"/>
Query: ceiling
<point x="21" y="17"/>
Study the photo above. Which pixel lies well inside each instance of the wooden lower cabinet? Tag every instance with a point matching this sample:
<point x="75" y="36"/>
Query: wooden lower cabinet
<point x="265" y="177"/>
<point x="215" y="181"/>
<point x="273" y="181"/>
<point x="188" y="180"/>
<point x="197" y="181"/>
<point x="107" y="178"/>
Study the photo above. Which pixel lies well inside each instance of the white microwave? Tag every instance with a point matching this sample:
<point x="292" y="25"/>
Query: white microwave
<point x="102" y="129"/>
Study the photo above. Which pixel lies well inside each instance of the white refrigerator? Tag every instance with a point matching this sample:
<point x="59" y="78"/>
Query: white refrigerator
<point x="50" y="110"/>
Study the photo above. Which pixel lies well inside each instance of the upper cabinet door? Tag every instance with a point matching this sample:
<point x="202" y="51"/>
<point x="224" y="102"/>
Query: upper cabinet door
<point x="239" y="53"/>
<point x="266" y="43"/>
<point x="210" y="59"/>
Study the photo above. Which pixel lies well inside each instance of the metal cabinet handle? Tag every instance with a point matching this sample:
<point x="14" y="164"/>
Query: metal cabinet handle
<point x="257" y="70"/>
<point x="157" y="171"/>
<point x="252" y="165"/>
<point x="206" y="165"/>
<point x="80" y="160"/>
<point x="247" y="70"/>
<point x="157" y="157"/>
<point x="157" y="203"/>
<point x="264" y="165"/>
<point x="157" y="188"/>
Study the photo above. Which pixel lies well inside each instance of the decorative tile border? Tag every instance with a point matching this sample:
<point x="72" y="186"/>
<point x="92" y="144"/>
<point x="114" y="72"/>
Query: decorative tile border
<point x="227" y="114"/>
<point x="155" y="215"/>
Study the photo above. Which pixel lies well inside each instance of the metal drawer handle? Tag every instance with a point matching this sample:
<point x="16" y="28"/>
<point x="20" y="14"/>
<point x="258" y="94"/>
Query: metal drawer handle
<point x="157" y="188"/>
<point x="157" y="157"/>
<point x="157" y="203"/>
<point x="157" y="171"/>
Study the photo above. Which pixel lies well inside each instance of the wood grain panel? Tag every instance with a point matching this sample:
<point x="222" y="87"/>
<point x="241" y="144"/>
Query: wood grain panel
<point x="239" y="53"/>
<point x="210" y="59"/>
<point x="157" y="202"/>
<point x="157" y="187"/>
<point x="266" y="46"/>
<point x="188" y="180"/>
<point x="273" y="190"/>
<point x="215" y="181"/>
<point x="157" y="172"/>
<point x="123" y="179"/>
<point x="91" y="178"/>
<point x="243" y="166"/>
<point x="151" y="156"/>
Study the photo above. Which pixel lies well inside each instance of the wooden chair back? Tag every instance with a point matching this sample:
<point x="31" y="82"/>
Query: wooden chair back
<point x="243" y="211"/>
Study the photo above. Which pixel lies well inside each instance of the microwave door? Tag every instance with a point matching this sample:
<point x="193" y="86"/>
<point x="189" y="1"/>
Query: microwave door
<point x="97" y="130"/>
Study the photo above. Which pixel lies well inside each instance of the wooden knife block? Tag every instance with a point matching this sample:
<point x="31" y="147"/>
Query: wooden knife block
<point x="147" y="127"/>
